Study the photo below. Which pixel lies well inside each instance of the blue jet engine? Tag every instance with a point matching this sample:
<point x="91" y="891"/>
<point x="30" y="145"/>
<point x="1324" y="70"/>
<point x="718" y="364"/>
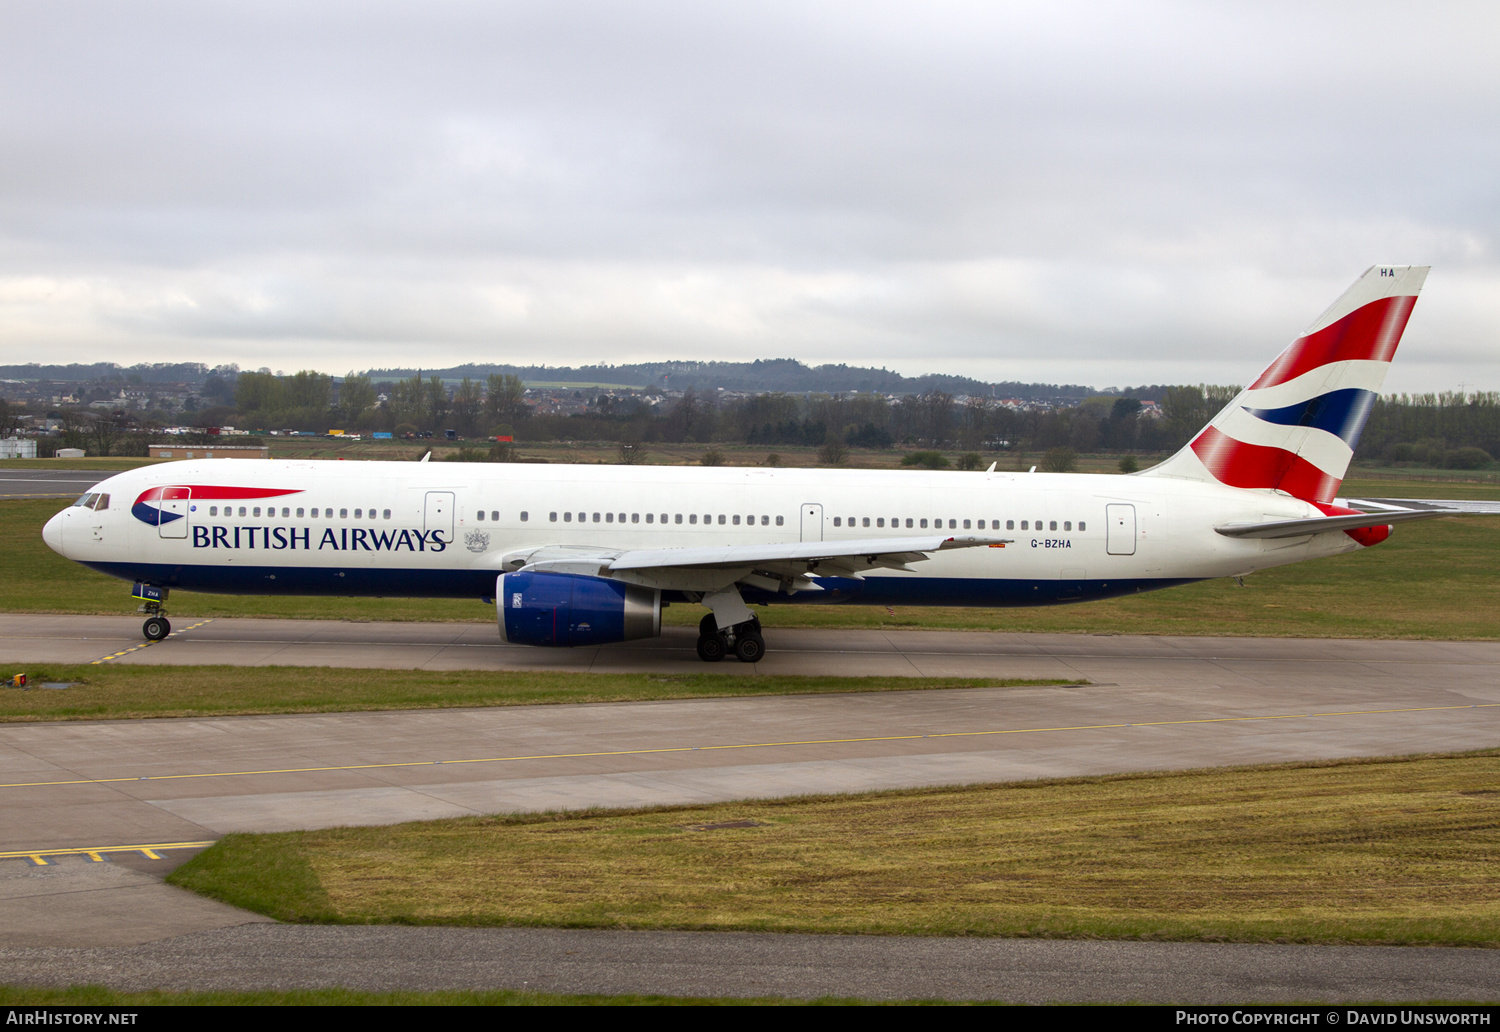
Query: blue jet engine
<point x="567" y="609"/>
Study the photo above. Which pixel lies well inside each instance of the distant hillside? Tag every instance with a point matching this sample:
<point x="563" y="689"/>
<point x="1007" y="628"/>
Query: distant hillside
<point x="781" y="374"/>
<point x="157" y="372"/>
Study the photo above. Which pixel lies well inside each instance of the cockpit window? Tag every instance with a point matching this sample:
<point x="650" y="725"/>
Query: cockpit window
<point x="92" y="501"/>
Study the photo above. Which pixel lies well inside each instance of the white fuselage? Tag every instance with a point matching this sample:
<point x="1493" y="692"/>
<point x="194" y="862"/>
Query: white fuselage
<point x="445" y="529"/>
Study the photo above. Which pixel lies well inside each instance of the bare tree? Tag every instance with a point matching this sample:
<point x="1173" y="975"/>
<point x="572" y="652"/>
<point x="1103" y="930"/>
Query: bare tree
<point x="468" y="403"/>
<point x="505" y="399"/>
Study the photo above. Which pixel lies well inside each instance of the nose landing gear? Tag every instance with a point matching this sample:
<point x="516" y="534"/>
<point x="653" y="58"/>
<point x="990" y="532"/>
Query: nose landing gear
<point x="152" y="598"/>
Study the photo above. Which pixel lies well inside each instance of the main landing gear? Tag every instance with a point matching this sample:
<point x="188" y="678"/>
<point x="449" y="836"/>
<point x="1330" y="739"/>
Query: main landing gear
<point x="743" y="640"/>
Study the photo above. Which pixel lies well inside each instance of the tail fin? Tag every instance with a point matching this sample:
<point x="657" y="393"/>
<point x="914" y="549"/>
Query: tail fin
<point x="1294" y="429"/>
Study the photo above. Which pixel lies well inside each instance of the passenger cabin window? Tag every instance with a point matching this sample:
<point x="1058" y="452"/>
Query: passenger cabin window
<point x="567" y="517"/>
<point x="525" y="515"/>
<point x="780" y="520"/>
<point x="479" y="515"/>
<point x="552" y="517"/>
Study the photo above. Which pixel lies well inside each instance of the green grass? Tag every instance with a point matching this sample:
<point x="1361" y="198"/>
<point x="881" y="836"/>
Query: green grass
<point x="1433" y="579"/>
<point x="113" y="692"/>
<point x="1397" y="852"/>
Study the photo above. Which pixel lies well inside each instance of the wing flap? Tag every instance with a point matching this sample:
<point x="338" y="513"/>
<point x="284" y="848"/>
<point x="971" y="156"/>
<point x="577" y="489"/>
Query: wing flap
<point x="858" y="554"/>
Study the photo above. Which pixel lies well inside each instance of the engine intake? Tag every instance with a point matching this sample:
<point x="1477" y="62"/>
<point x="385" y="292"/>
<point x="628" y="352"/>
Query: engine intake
<point x="568" y="609"/>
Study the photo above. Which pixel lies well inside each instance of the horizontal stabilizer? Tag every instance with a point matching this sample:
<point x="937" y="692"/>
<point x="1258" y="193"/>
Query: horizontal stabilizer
<point x="1322" y="524"/>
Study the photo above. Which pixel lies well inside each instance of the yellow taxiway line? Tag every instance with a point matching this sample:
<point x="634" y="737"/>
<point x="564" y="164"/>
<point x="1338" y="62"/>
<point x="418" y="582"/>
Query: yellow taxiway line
<point x="150" y="850"/>
<point x="147" y="644"/>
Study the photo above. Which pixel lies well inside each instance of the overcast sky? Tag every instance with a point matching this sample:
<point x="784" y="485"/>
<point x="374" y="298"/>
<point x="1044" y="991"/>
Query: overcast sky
<point x="1106" y="194"/>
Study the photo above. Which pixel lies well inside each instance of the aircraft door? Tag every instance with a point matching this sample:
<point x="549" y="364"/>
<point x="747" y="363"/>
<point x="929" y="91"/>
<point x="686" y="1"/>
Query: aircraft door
<point x="172" y="518"/>
<point x="438" y="514"/>
<point x="1119" y="523"/>
<point x="812" y="522"/>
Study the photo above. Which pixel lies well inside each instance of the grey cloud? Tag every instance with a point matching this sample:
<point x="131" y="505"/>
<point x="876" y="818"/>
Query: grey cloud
<point x="975" y="188"/>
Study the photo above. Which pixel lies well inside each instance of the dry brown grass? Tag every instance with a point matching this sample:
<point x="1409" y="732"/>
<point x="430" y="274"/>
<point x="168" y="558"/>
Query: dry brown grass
<point x="1390" y="851"/>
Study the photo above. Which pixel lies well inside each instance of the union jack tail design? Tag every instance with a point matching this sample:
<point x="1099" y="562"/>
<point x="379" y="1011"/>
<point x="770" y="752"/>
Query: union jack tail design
<point x="1294" y="429"/>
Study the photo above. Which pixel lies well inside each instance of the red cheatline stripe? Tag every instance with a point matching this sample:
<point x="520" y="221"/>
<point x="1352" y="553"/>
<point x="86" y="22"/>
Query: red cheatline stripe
<point x="1256" y="466"/>
<point x="214" y="492"/>
<point x="1370" y="333"/>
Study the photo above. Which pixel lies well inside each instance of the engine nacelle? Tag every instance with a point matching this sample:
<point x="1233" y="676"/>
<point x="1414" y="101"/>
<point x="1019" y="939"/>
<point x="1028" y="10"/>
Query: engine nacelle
<point x="572" y="609"/>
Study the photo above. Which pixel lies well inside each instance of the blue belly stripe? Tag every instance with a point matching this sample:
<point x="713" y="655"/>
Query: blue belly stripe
<point x="480" y="584"/>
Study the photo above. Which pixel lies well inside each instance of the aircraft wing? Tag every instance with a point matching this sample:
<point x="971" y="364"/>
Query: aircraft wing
<point x="789" y="566"/>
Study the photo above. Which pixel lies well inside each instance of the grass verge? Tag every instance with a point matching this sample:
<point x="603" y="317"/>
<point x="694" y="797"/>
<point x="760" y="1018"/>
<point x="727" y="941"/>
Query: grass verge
<point x="99" y="996"/>
<point x="124" y="692"/>
<point x="1391" y="851"/>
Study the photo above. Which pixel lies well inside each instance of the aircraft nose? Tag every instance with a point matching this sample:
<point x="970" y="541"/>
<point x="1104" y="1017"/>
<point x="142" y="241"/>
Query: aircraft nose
<point x="52" y="533"/>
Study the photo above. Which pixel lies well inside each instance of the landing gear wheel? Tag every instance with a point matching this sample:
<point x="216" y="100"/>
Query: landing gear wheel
<point x="749" y="647"/>
<point x="156" y="628"/>
<point x="712" y="648"/>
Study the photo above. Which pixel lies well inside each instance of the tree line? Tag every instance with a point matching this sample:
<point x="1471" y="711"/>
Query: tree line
<point x="1454" y="429"/>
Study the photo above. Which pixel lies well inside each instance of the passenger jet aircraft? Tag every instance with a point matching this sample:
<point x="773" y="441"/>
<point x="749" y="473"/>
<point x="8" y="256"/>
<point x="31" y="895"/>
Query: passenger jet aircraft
<point x="588" y="555"/>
